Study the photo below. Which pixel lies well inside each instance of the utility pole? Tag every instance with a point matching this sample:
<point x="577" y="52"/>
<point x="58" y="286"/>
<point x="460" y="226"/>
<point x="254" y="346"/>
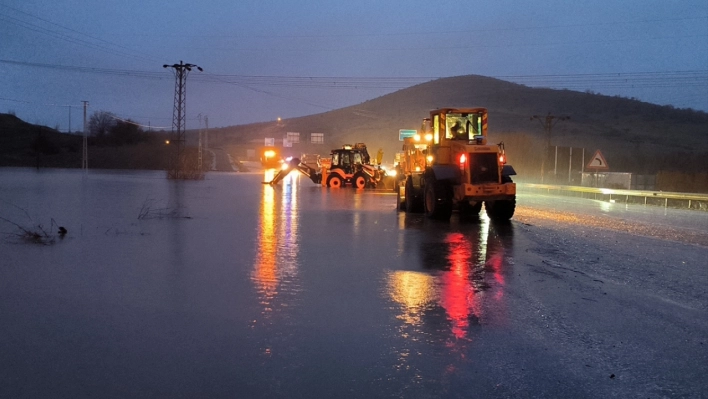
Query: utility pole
<point x="179" y="112"/>
<point x="199" y="156"/>
<point x="84" y="157"/>
<point x="547" y="122"/>
<point x="206" y="133"/>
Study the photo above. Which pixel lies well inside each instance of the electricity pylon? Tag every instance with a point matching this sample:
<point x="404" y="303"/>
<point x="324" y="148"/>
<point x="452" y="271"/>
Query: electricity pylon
<point x="179" y="112"/>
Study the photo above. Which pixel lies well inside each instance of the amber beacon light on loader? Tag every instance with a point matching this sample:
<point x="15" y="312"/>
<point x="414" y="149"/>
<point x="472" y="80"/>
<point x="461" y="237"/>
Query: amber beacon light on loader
<point x="451" y="166"/>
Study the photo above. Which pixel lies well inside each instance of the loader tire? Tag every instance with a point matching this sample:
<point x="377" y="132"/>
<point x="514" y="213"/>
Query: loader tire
<point x="335" y="181"/>
<point x="470" y="212"/>
<point x="400" y="202"/>
<point x="500" y="210"/>
<point x="414" y="197"/>
<point x="438" y="199"/>
<point x="359" y="181"/>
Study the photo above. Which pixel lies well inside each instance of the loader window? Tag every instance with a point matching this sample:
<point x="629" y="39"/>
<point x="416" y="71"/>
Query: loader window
<point x="464" y="126"/>
<point x="357" y="158"/>
<point x="335" y="158"/>
<point x="457" y="127"/>
<point x="475" y="124"/>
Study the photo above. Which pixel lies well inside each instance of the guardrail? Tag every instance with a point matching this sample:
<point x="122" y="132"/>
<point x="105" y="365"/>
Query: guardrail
<point x="656" y="198"/>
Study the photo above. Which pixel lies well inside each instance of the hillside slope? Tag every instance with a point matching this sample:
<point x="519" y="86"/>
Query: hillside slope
<point x="633" y="135"/>
<point x="24" y="144"/>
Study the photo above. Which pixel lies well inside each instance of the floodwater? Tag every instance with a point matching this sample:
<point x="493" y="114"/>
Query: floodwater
<point x="230" y="288"/>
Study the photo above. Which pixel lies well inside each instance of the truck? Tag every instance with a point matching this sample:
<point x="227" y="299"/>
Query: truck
<point x="452" y="167"/>
<point x="349" y="165"/>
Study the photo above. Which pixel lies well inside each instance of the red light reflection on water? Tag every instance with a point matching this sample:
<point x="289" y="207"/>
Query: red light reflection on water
<point x="458" y="289"/>
<point x="463" y="277"/>
<point x="456" y="296"/>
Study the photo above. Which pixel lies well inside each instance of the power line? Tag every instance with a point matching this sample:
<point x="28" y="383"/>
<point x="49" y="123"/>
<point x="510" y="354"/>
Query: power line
<point x="691" y="78"/>
<point x="59" y="35"/>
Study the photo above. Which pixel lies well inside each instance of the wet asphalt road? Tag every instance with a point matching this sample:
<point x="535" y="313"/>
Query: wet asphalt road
<point x="230" y="288"/>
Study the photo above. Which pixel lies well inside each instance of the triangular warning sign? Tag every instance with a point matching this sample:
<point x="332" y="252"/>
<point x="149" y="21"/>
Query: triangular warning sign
<point x="597" y="161"/>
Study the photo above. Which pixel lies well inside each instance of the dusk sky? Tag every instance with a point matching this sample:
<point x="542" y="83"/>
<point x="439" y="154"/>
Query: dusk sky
<point x="266" y="59"/>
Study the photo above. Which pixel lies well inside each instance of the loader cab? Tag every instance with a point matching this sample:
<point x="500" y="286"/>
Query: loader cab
<point x="453" y="129"/>
<point x="449" y="124"/>
<point x="346" y="159"/>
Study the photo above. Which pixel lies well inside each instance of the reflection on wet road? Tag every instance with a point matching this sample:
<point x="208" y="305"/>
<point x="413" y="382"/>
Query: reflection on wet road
<point x="456" y="287"/>
<point x="442" y="282"/>
<point x="460" y="271"/>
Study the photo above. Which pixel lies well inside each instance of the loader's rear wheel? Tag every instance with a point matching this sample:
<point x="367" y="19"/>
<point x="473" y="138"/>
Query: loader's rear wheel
<point x="335" y="181"/>
<point x="397" y="184"/>
<point x="359" y="181"/>
<point x="470" y="212"/>
<point x="414" y="197"/>
<point x="400" y="201"/>
<point x="500" y="210"/>
<point x="438" y="199"/>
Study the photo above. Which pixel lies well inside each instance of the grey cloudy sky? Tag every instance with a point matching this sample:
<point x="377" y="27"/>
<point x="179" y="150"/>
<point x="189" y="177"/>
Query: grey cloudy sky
<point x="265" y="59"/>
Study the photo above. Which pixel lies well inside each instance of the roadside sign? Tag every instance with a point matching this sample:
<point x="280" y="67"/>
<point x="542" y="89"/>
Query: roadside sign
<point x="597" y="161"/>
<point x="403" y="133"/>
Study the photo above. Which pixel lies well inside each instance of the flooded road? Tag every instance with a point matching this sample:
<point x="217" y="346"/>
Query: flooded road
<point x="230" y="288"/>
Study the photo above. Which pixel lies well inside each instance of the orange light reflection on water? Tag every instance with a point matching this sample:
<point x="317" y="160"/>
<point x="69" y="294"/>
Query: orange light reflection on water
<point x="414" y="291"/>
<point x="277" y="246"/>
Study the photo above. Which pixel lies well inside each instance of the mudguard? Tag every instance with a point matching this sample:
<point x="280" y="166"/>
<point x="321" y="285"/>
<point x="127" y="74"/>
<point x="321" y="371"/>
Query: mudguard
<point x="446" y="172"/>
<point x="508" y="170"/>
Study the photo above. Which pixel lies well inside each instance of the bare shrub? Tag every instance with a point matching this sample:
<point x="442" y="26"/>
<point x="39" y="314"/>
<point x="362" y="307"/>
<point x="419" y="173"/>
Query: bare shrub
<point x="37" y="234"/>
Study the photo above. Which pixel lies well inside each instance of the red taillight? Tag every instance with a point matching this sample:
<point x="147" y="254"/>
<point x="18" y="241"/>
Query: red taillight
<point x="463" y="158"/>
<point x="502" y="159"/>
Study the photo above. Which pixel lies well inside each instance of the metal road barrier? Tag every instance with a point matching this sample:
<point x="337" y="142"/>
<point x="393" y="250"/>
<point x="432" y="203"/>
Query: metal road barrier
<point x="655" y="198"/>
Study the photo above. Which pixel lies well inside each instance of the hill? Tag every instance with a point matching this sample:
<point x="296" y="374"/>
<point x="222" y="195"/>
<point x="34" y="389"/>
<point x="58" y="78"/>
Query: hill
<point x="25" y="144"/>
<point x="634" y="136"/>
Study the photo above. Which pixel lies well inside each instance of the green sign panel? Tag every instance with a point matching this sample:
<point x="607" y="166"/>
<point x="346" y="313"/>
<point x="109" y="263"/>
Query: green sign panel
<point x="403" y="133"/>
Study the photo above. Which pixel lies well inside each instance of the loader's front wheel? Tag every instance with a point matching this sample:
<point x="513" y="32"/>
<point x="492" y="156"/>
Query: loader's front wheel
<point x="500" y="210"/>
